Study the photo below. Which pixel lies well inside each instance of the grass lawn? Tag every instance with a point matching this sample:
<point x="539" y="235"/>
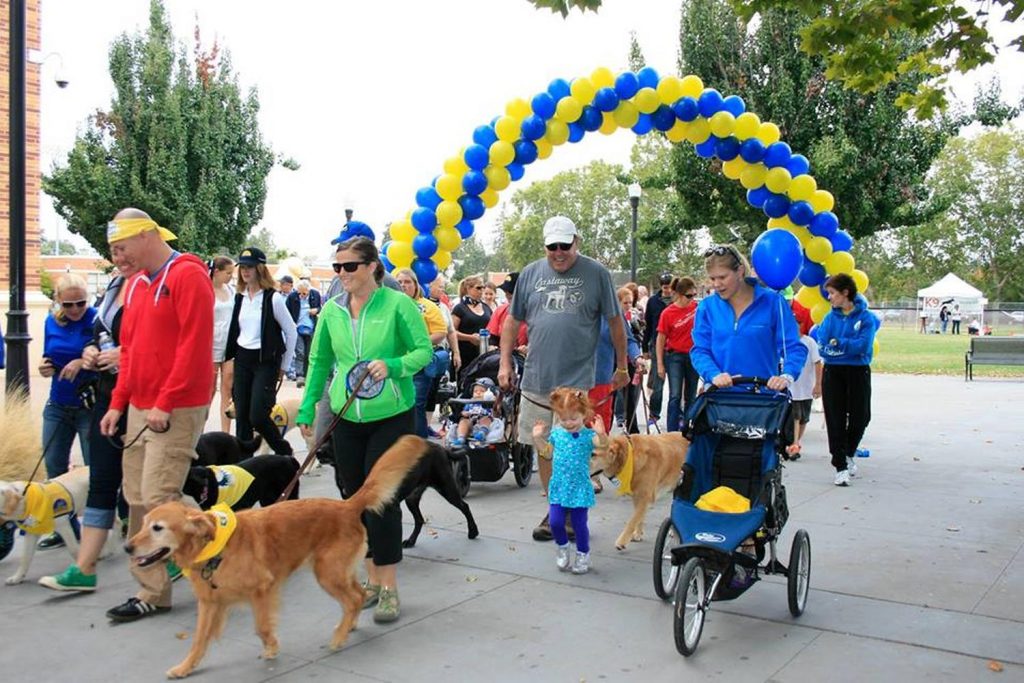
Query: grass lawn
<point x="908" y="352"/>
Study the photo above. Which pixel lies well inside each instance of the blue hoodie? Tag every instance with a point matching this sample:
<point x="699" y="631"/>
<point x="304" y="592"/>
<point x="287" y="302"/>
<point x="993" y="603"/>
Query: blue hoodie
<point x="754" y="344"/>
<point x="848" y="339"/>
<point x="605" y="358"/>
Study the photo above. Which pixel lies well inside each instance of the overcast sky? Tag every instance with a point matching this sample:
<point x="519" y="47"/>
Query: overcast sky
<point x="371" y="97"/>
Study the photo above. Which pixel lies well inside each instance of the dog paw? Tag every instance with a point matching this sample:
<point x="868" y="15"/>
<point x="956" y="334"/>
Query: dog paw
<point x="473" y="533"/>
<point x="620" y="546"/>
<point x="15" y="580"/>
<point x="408" y="543"/>
<point x="179" y="671"/>
<point x="269" y="653"/>
<point x="637" y="538"/>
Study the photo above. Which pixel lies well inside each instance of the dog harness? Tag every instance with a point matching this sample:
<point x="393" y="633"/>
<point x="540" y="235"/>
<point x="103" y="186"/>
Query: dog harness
<point x="625" y="475"/>
<point x="232" y="483"/>
<point x="224" y="521"/>
<point x="43" y="504"/>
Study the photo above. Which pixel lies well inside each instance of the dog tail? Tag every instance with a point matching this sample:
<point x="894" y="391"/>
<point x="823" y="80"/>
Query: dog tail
<point x="251" y="446"/>
<point x="388" y="473"/>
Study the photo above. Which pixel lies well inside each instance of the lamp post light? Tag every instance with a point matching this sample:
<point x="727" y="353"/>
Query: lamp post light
<point x="634" y="202"/>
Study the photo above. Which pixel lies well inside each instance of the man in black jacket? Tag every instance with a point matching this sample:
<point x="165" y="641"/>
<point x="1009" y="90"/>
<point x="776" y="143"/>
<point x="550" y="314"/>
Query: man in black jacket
<point x="304" y="306"/>
<point x="656" y="303"/>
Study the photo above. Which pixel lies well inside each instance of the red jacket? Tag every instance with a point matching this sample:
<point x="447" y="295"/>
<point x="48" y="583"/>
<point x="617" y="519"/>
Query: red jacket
<point x="167" y="339"/>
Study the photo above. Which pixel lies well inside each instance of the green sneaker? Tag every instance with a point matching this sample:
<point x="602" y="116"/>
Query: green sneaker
<point x="173" y="571"/>
<point x="371" y="593"/>
<point x="387" y="606"/>
<point x="71" y="580"/>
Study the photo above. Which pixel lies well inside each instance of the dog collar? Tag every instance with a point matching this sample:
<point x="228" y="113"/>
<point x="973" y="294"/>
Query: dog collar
<point x="625" y="475"/>
<point x="225" y="522"/>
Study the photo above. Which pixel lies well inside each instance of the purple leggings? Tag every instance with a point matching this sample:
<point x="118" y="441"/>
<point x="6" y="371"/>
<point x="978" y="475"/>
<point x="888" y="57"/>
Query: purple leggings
<point x="556" y="515"/>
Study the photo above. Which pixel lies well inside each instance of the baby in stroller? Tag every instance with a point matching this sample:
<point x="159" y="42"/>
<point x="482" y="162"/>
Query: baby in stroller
<point x="477" y="419"/>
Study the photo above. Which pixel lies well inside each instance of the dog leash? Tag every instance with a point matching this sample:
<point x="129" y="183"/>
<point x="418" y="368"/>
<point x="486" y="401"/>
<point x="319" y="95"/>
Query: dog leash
<point x="138" y="436"/>
<point x="42" y="456"/>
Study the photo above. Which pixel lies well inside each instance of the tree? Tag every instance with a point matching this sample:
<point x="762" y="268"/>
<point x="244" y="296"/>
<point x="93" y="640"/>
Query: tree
<point x="471" y="259"/>
<point x="48" y="247"/>
<point x="563" y="6"/>
<point x="178" y="140"/>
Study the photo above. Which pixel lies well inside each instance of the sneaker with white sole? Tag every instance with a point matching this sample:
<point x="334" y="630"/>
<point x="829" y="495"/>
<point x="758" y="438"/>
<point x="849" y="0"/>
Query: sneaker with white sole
<point x="133" y="609"/>
<point x="843" y="478"/>
<point x="71" y="580"/>
<point x="851" y="467"/>
<point x="562" y="558"/>
<point x="581" y="563"/>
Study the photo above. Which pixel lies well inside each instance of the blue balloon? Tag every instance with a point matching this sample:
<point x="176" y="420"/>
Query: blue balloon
<point x="515" y="172"/>
<point x="543" y="105"/>
<point x="533" y="127"/>
<point x="824" y="224"/>
<point x="526" y="152"/>
<point x="428" y="197"/>
<point x="710" y="102"/>
<point x="812" y="274"/>
<point x="663" y="118"/>
<point x="798" y="165"/>
<point x="824" y="291"/>
<point x="758" y="196"/>
<point x="777" y="206"/>
<point x="591" y="119"/>
<point x="473" y="207"/>
<point x="801" y="212"/>
<point x="726" y="149"/>
<point x="706" y="149"/>
<point x="424" y="245"/>
<point x="558" y="89"/>
<point x="734" y="104"/>
<point x="841" y="241"/>
<point x="777" y="258"/>
<point x="605" y="99"/>
<point x="424" y="220"/>
<point x="648" y="77"/>
<point x="477" y="157"/>
<point x="752" y="150"/>
<point x="576" y="131"/>
<point x="484" y="135"/>
<point x="465" y="228"/>
<point x="626" y="85"/>
<point x="388" y="266"/>
<point x="777" y="154"/>
<point x="643" y="125"/>
<point x="473" y="182"/>
<point x="425" y="269"/>
<point x="686" y="109"/>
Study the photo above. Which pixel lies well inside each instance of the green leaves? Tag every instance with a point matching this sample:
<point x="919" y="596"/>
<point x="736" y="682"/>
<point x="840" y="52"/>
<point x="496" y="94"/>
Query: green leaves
<point x="563" y="6"/>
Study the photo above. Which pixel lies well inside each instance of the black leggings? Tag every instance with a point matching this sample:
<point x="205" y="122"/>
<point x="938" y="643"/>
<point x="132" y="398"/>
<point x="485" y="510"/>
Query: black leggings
<point x="846" y="396"/>
<point x="357" y="446"/>
<point x="255" y="392"/>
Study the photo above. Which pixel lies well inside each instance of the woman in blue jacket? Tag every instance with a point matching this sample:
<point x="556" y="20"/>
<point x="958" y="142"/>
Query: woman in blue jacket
<point x="846" y="339"/>
<point x="744" y="328"/>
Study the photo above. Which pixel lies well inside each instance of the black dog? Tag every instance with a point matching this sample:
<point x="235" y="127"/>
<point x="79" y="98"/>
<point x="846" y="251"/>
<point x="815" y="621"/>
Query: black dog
<point x="435" y="470"/>
<point x="221" y="448"/>
<point x="229" y="484"/>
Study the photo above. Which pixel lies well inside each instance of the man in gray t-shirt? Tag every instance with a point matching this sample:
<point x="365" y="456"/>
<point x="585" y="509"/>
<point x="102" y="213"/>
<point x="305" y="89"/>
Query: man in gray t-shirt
<point x="562" y="299"/>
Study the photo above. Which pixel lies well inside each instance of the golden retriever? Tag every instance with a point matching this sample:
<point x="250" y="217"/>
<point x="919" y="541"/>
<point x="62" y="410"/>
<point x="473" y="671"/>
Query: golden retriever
<point x="267" y="546"/>
<point x="657" y="461"/>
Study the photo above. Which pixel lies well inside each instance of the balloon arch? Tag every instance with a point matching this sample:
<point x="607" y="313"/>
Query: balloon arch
<point x="803" y="239"/>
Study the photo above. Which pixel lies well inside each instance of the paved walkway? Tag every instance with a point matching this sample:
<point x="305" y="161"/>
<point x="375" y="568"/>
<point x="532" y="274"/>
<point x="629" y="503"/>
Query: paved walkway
<point x="918" y="574"/>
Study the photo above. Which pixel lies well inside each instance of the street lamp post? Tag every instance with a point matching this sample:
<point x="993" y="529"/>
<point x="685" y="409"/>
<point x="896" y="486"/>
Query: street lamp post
<point x="17" y="336"/>
<point x="634" y="203"/>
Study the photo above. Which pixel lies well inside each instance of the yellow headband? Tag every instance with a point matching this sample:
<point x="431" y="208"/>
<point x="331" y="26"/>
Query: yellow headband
<point x="123" y="228"/>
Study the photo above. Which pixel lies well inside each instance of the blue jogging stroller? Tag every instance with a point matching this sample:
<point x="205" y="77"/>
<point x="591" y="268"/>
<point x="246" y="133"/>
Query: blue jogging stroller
<point x="702" y="555"/>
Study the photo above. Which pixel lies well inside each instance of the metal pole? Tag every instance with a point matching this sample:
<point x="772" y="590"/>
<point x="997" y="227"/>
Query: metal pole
<point x="634" y="202"/>
<point x="17" y="317"/>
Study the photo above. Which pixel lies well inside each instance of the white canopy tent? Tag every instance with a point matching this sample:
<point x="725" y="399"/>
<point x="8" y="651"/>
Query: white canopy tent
<point x="950" y="290"/>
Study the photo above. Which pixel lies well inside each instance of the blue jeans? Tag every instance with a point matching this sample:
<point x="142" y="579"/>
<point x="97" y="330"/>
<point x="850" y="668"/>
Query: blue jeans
<point x="682" y="387"/>
<point x="656" y="383"/>
<point x="60" y="424"/>
<point x="422" y="383"/>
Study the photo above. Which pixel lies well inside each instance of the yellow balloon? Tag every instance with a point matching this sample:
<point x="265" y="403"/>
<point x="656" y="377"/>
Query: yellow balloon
<point x="403" y="231"/>
<point x="442" y="258"/>
<point x="691" y="86"/>
<point x="818" y="249"/>
<point x="860" y="278"/>
<point x="583" y="90"/>
<point x="455" y="165"/>
<point x="801" y="233"/>
<point x="544" y="148"/>
<point x="699" y="130"/>
<point x="803" y="188"/>
<point x="819" y="311"/>
<point x="647" y="100"/>
<point x="678" y="131"/>
<point x="747" y="125"/>
<point x="822" y="200"/>
<point x="489" y="198"/>
<point x="448" y="214"/>
<point x="670" y="89"/>
<point x="557" y="132"/>
<point x="777" y="180"/>
<point x="626" y="114"/>
<point x="809" y="296"/>
<point x="568" y="109"/>
<point x="768" y="133"/>
<point x="400" y="254"/>
<point x="448" y="238"/>
<point x="502" y="153"/>
<point x="602" y="77"/>
<point x="449" y="186"/>
<point x="498" y="178"/>
<point x="518" y="108"/>
<point x="840" y="262"/>
<point x="753" y="176"/>
<point x="507" y="128"/>
<point x="723" y="124"/>
<point x="781" y="222"/>
<point x="608" y="125"/>
<point x="733" y="168"/>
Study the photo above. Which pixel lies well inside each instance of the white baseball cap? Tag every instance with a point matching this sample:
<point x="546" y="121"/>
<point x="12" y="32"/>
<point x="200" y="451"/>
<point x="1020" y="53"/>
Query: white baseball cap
<point x="559" y="229"/>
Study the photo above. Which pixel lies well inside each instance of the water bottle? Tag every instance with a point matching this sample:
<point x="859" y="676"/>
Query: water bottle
<point x="107" y="343"/>
<point x="485" y="338"/>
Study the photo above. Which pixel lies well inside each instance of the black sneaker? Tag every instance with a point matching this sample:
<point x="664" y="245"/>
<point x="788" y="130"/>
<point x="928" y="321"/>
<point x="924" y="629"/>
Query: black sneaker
<point x="7" y="530"/>
<point x="134" y="609"/>
<point x="50" y="542"/>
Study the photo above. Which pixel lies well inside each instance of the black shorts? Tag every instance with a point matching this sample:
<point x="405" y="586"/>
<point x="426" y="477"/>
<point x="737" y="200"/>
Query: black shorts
<point x="801" y="411"/>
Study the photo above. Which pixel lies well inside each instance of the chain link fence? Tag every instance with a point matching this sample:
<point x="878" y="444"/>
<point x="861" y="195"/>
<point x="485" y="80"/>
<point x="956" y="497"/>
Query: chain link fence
<point x="1003" y="317"/>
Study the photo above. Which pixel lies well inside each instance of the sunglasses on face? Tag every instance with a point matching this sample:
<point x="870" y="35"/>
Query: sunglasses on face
<point x="348" y="266"/>
<point x="559" y="246"/>
<point x="477" y="287"/>
<point x="690" y="295"/>
<point x="74" y="304"/>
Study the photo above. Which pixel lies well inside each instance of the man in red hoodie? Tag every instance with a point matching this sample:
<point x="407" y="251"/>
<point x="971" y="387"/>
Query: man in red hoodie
<point x="164" y="383"/>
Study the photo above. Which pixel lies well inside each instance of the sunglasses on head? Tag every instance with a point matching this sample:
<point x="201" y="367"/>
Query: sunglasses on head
<point x="74" y="304"/>
<point x="722" y="250"/>
<point x="348" y="266"/>
<point x="559" y="246"/>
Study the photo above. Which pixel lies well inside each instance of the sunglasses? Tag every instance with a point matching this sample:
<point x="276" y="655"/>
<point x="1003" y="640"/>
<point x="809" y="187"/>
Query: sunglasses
<point x="477" y="287"/>
<point x="559" y="246"/>
<point x="74" y="304"/>
<point x="348" y="266"/>
<point x="722" y="250"/>
<point x="690" y="295"/>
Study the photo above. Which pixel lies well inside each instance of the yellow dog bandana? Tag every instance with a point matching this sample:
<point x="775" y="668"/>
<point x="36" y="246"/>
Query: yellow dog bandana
<point x="723" y="499"/>
<point x="279" y="416"/>
<point x="123" y="228"/>
<point x="43" y="503"/>
<point x="232" y="483"/>
<point x="225" y="522"/>
<point x="625" y="475"/>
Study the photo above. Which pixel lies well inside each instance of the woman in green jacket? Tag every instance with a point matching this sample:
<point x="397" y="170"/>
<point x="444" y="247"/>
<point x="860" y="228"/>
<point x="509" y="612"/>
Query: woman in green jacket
<point x="368" y="327"/>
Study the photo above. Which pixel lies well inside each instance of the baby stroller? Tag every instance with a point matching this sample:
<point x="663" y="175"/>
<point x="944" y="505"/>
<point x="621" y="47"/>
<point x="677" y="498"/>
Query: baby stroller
<point x="488" y="460"/>
<point x="702" y="555"/>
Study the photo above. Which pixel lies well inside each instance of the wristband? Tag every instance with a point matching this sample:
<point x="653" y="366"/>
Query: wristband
<point x="622" y="371"/>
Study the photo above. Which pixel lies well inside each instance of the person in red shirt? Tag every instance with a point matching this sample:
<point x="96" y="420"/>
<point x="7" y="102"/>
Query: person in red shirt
<point x="498" y="317"/>
<point x="675" y="339"/>
<point x="165" y="383"/>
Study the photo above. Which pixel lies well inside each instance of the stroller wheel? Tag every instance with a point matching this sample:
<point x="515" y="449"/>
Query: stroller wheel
<point x="522" y="464"/>
<point x="799" y="572"/>
<point x="666" y="574"/>
<point x="690" y="607"/>
<point x="460" y="468"/>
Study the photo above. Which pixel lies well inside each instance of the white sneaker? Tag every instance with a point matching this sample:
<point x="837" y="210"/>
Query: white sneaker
<point x="581" y="564"/>
<point x="562" y="558"/>
<point x="843" y="478"/>
<point x="851" y="466"/>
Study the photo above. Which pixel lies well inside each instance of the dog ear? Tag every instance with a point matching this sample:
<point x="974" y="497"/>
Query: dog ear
<point x="201" y="526"/>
